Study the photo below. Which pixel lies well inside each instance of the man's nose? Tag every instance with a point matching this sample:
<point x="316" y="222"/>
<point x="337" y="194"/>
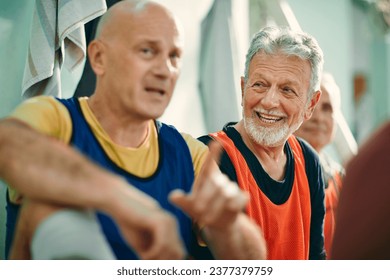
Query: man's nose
<point x="164" y="67"/>
<point x="270" y="99"/>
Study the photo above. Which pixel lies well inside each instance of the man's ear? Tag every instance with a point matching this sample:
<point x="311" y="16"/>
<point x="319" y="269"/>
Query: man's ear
<point x="242" y="89"/>
<point x="96" y="56"/>
<point x="312" y="104"/>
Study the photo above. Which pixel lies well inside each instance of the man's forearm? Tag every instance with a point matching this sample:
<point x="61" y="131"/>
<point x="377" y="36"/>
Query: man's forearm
<point x="45" y="169"/>
<point x="242" y="240"/>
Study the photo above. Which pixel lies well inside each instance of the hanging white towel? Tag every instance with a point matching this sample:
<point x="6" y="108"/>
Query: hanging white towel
<point x="57" y="39"/>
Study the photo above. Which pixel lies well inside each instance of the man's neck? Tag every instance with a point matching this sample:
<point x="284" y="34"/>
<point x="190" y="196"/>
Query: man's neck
<point x="123" y="131"/>
<point x="272" y="159"/>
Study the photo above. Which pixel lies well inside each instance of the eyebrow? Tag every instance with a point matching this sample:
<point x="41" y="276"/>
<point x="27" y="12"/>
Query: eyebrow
<point x="285" y="81"/>
<point x="154" y="42"/>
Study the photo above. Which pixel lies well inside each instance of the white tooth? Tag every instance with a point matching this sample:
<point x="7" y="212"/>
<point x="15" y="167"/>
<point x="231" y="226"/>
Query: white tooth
<point x="268" y="119"/>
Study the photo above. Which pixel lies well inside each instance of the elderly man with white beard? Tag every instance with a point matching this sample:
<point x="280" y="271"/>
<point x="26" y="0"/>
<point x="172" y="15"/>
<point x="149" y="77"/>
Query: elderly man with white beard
<point x="282" y="174"/>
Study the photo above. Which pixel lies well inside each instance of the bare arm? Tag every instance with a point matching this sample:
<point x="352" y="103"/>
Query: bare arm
<point x="241" y="240"/>
<point x="217" y="205"/>
<point x="46" y="170"/>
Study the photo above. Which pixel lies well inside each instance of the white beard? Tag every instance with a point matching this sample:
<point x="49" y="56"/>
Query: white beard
<point x="269" y="136"/>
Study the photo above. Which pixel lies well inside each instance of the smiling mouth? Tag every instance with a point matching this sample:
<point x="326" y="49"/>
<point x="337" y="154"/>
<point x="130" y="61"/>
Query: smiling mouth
<point x="155" y="90"/>
<point x="268" y="118"/>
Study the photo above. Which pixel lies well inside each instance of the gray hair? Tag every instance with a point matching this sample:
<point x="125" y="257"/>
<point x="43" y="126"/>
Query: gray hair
<point x="329" y="83"/>
<point x="272" y="40"/>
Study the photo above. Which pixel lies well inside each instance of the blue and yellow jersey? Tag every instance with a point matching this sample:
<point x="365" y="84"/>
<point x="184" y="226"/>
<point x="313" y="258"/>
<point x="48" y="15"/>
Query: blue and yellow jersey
<point x="47" y="115"/>
<point x="165" y="161"/>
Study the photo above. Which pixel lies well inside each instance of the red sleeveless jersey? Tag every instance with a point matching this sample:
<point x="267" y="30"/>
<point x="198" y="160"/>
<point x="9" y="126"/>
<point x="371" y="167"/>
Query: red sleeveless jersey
<point x="286" y="227"/>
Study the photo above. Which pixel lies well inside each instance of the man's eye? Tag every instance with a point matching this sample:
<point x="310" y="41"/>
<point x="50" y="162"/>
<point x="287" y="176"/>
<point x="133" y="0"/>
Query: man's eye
<point x="258" y="84"/>
<point x="175" y="55"/>
<point x="288" y="90"/>
<point x="327" y="108"/>
<point x="147" y="51"/>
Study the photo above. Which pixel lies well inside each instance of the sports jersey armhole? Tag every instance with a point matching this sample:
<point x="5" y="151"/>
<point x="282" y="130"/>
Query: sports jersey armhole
<point x="308" y="160"/>
<point x="64" y="111"/>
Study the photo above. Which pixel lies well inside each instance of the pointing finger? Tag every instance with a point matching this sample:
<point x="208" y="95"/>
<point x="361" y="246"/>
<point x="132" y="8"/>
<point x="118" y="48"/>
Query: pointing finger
<point x="209" y="165"/>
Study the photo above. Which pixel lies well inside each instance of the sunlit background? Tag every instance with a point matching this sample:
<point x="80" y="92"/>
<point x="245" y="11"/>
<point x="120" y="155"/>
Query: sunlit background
<point x="354" y="35"/>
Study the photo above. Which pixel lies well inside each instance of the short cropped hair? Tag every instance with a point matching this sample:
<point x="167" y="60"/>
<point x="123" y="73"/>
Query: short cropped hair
<point x="272" y="40"/>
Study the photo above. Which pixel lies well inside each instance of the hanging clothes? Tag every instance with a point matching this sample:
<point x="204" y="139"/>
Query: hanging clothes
<point x="57" y="39"/>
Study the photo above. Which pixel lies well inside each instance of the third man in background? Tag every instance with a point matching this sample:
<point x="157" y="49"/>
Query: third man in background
<point x="319" y="131"/>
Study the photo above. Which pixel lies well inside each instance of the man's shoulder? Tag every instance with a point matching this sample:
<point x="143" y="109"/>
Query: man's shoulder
<point x="198" y="151"/>
<point x="330" y="165"/>
<point x="192" y="140"/>
<point x="205" y="139"/>
<point x="43" y="113"/>
<point x="307" y="150"/>
<point x="36" y="103"/>
<point x="227" y="128"/>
